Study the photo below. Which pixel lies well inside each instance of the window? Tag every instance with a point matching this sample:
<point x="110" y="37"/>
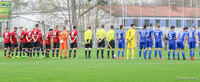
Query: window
<point x="167" y="23"/>
<point x="190" y="22"/>
<point x="157" y="22"/>
<point x="178" y="23"/>
<point x="198" y="23"/>
<point x="124" y="22"/>
<point x="146" y="22"/>
<point x="135" y="21"/>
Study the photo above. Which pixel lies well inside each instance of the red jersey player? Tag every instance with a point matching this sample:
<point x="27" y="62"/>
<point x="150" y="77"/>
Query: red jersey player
<point x="30" y="42"/>
<point x="48" y="42"/>
<point x="73" y="41"/>
<point x="56" y="41"/>
<point x="23" y="41"/>
<point x="41" y="43"/>
<point x="36" y="40"/>
<point x="6" y="36"/>
<point x="14" y="42"/>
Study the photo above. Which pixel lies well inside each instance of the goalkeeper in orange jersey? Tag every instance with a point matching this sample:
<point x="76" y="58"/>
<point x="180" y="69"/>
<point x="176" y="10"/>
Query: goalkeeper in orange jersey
<point x="63" y="42"/>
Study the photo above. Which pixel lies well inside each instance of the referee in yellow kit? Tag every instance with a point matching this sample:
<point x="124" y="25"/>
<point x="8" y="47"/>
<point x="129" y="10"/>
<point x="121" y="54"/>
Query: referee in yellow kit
<point x="130" y="35"/>
<point x="101" y="33"/>
<point x="88" y="42"/>
<point x="111" y="41"/>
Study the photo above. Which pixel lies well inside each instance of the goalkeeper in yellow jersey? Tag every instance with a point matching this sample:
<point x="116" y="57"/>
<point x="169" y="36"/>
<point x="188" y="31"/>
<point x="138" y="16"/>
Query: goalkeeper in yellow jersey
<point x="88" y="42"/>
<point x="111" y="41"/>
<point x="130" y="35"/>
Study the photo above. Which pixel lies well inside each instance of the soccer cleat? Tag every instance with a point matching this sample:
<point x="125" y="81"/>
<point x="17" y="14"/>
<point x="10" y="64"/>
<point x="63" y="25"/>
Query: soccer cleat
<point x="127" y="58"/>
<point x="9" y="56"/>
<point x="118" y="57"/>
<point x="65" y="57"/>
<point x="17" y="57"/>
<point x="150" y="58"/>
<point x="190" y="58"/>
<point x="123" y="58"/>
<point x="184" y="59"/>
<point x="4" y="57"/>
<point x="155" y="58"/>
<point x="132" y="58"/>
<point x="178" y="58"/>
<point x="193" y="58"/>
<point x="160" y="59"/>
<point x="61" y="57"/>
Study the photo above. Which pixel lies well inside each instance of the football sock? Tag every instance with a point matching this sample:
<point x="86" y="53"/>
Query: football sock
<point x="30" y="52"/>
<point x="47" y="54"/>
<point x="155" y="53"/>
<point x="122" y="53"/>
<point x="65" y="53"/>
<point x="86" y="54"/>
<point x="193" y="53"/>
<point x="9" y="51"/>
<point x="118" y="53"/>
<point x="150" y="54"/>
<point x="127" y="53"/>
<point x="145" y="52"/>
<point x="12" y="52"/>
<point x="169" y="54"/>
<point x="38" y="52"/>
<point x="97" y="54"/>
<point x="42" y="51"/>
<point x="53" y="51"/>
<point x="33" y="52"/>
<point x="160" y="53"/>
<point x="70" y="52"/>
<point x="57" y="52"/>
<point x="178" y="55"/>
<point x="20" y="52"/>
<point x="113" y="54"/>
<point x="190" y="53"/>
<point x="16" y="52"/>
<point x="174" y="55"/>
<point x="5" y="52"/>
<point x="89" y="53"/>
<point x="183" y="53"/>
<point x="133" y="53"/>
<point x="102" y="53"/>
<point x="74" y="53"/>
<point x="108" y="53"/>
<point x="140" y="52"/>
<point x="23" y="52"/>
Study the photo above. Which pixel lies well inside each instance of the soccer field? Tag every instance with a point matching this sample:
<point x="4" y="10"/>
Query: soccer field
<point x="100" y="70"/>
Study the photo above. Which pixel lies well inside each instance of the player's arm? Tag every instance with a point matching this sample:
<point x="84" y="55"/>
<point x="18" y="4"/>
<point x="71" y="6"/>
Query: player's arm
<point x="90" y="35"/>
<point x="37" y="37"/>
<point x="27" y="39"/>
<point x="138" y="37"/>
<point x="85" y="37"/>
<point x="70" y="39"/>
<point x="11" y="38"/>
<point x="75" y="38"/>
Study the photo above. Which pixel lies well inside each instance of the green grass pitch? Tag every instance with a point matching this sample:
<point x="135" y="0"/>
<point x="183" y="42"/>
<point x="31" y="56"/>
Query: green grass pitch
<point x="100" y="70"/>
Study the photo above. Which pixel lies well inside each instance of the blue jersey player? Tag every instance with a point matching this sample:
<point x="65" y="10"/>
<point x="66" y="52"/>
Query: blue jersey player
<point x="182" y="36"/>
<point x="172" y="42"/>
<point x="142" y="40"/>
<point x="199" y="41"/>
<point x="192" y="42"/>
<point x="158" y="41"/>
<point x="121" y="41"/>
<point x="150" y="40"/>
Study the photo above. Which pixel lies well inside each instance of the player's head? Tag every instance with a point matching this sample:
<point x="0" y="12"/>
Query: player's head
<point x="172" y="28"/>
<point x="21" y="28"/>
<point x="89" y="27"/>
<point x="111" y="27"/>
<point x="102" y="26"/>
<point x="37" y="25"/>
<point x="132" y="25"/>
<point x="151" y="25"/>
<point x="50" y="30"/>
<point x="121" y="27"/>
<point x="74" y="27"/>
<point x="158" y="26"/>
<point x="15" y="29"/>
<point x="144" y="27"/>
<point x="57" y="27"/>
<point x="6" y="29"/>
<point x="26" y="29"/>
<point x="185" y="29"/>
<point x="193" y="27"/>
<point x="64" y="28"/>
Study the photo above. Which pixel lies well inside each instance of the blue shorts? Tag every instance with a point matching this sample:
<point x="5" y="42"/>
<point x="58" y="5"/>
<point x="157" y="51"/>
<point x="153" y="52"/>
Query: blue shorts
<point x="142" y="45"/>
<point x="149" y="44"/>
<point x="180" y="45"/>
<point x="172" y="46"/>
<point x="158" y="45"/>
<point x="121" y="44"/>
<point x="192" y="45"/>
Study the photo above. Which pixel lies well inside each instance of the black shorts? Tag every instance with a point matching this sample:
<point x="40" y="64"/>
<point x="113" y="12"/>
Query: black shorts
<point x="36" y="44"/>
<point x="56" y="45"/>
<point x="73" y="45"/>
<point x="101" y="44"/>
<point x="23" y="45"/>
<point x="6" y="45"/>
<point x="48" y="46"/>
<point x="112" y="44"/>
<point x="89" y="45"/>
<point x="14" y="45"/>
<point x="30" y="45"/>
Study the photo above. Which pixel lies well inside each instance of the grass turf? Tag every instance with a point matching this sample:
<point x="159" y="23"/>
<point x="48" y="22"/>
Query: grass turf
<point x="100" y="70"/>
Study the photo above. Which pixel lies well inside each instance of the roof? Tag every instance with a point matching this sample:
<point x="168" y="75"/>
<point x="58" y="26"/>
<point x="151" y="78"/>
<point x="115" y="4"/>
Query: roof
<point x="150" y="10"/>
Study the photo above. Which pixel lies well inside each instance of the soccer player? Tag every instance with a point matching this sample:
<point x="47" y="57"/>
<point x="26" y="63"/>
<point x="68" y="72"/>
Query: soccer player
<point x="73" y="41"/>
<point x="41" y="43"/>
<point x="172" y="42"/>
<point x="63" y="42"/>
<point x="199" y="41"/>
<point x="121" y="41"/>
<point x="111" y="41"/>
<point x="14" y="42"/>
<point x="130" y="35"/>
<point x="88" y="42"/>
<point x="192" y="41"/>
<point x="56" y="41"/>
<point x="182" y="37"/>
<point x="36" y="40"/>
<point x="101" y="33"/>
<point x="20" y="46"/>
<point x="6" y="36"/>
<point x="48" y="42"/>
<point x="142" y="40"/>
<point x="158" y="41"/>
<point x="150" y="40"/>
<point x="29" y="39"/>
